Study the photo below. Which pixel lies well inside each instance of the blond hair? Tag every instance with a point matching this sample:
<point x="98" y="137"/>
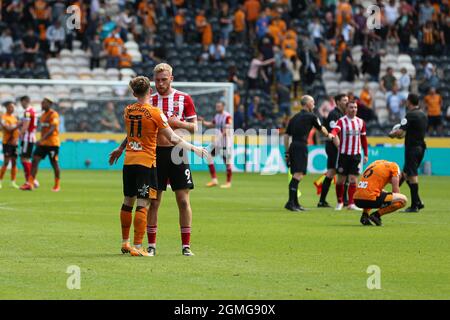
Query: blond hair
<point x="140" y="86"/>
<point x="162" y="67"/>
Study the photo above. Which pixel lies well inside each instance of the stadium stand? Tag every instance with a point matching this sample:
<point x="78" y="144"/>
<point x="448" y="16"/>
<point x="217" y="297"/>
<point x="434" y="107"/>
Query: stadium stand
<point x="250" y="43"/>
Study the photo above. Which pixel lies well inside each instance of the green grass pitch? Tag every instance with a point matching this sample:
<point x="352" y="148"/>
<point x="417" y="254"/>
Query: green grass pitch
<point x="247" y="245"/>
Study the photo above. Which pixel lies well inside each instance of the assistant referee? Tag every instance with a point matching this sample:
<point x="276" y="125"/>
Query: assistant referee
<point x="414" y="128"/>
<point x="296" y="153"/>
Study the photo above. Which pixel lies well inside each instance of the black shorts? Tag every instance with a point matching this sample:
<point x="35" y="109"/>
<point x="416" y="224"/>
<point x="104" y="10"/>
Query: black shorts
<point x="139" y="181"/>
<point x="348" y="164"/>
<point x="413" y="158"/>
<point x="298" y="156"/>
<point x="332" y="154"/>
<point x="10" y="151"/>
<point x="174" y="170"/>
<point x="434" y="121"/>
<point x="383" y="200"/>
<point x="43" y="151"/>
<point x="26" y="149"/>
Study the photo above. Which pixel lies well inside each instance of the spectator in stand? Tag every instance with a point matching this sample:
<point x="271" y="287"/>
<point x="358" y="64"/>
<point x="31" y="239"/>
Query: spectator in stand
<point x="290" y="40"/>
<point x="253" y="109"/>
<point x="388" y="81"/>
<point x="404" y="82"/>
<point x="234" y="77"/>
<point x="430" y="36"/>
<point x="360" y="24"/>
<point x="238" y="120"/>
<point x="41" y="12"/>
<point x="275" y="34"/>
<point x="204" y="29"/>
<point x="392" y="40"/>
<point x="113" y="45"/>
<point x="284" y="76"/>
<point x="6" y="49"/>
<point x="426" y="12"/>
<point x="348" y="32"/>
<point x="179" y="23"/>
<point x="125" y="21"/>
<point x="371" y="62"/>
<point x="365" y="96"/>
<point x="395" y="104"/>
<point x="405" y="28"/>
<point x="126" y="60"/>
<point x="284" y="100"/>
<point x="295" y="65"/>
<point x="253" y="71"/>
<point x="13" y="16"/>
<point x="95" y="51"/>
<point x="252" y="10"/>
<point x="330" y="26"/>
<point x="56" y="37"/>
<point x="316" y="30"/>
<point x="391" y="12"/>
<point x="226" y="23"/>
<point x="445" y="35"/>
<point x="30" y="46"/>
<point x="217" y="51"/>
<point x="347" y="66"/>
<point x="262" y="25"/>
<point x="109" y="119"/>
<point x="433" y="105"/>
<point x="309" y="66"/>
<point x="239" y="24"/>
<point x="323" y="56"/>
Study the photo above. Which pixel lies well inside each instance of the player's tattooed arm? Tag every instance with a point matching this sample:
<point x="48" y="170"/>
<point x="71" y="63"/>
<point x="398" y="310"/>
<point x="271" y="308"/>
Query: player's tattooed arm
<point x="189" y="125"/>
<point x="116" y="153"/>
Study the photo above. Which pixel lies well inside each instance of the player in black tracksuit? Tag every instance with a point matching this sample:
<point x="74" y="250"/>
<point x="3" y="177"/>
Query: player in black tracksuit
<point x="414" y="125"/>
<point x="331" y="150"/>
<point x="296" y="154"/>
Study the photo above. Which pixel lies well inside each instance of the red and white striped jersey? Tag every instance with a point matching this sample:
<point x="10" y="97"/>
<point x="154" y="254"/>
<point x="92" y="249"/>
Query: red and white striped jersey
<point x="177" y="103"/>
<point x="221" y="120"/>
<point x="350" y="132"/>
<point x="30" y="133"/>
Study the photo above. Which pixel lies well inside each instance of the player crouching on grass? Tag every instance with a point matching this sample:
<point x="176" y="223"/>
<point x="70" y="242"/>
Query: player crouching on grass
<point x="370" y="194"/>
<point x="143" y="122"/>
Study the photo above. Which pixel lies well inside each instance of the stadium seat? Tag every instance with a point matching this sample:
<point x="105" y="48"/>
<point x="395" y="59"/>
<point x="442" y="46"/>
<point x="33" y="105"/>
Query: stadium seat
<point x="99" y="74"/>
<point x="127" y="73"/>
<point x="383" y="115"/>
<point x="65" y="53"/>
<point x="84" y="73"/>
<point x="112" y="74"/>
<point x="80" y="104"/>
<point x="68" y="62"/>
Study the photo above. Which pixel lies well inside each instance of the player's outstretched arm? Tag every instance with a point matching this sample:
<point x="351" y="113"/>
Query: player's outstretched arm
<point x="116" y="153"/>
<point x="176" y="139"/>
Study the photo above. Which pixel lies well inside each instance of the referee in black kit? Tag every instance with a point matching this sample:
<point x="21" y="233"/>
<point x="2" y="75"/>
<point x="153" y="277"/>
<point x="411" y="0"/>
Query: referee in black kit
<point x="297" y="152"/>
<point x="331" y="150"/>
<point x="414" y="126"/>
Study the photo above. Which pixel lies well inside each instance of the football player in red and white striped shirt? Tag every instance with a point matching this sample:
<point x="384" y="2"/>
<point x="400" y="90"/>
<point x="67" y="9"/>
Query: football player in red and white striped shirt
<point x="349" y="137"/>
<point x="27" y="136"/>
<point x="172" y="163"/>
<point x="223" y="143"/>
